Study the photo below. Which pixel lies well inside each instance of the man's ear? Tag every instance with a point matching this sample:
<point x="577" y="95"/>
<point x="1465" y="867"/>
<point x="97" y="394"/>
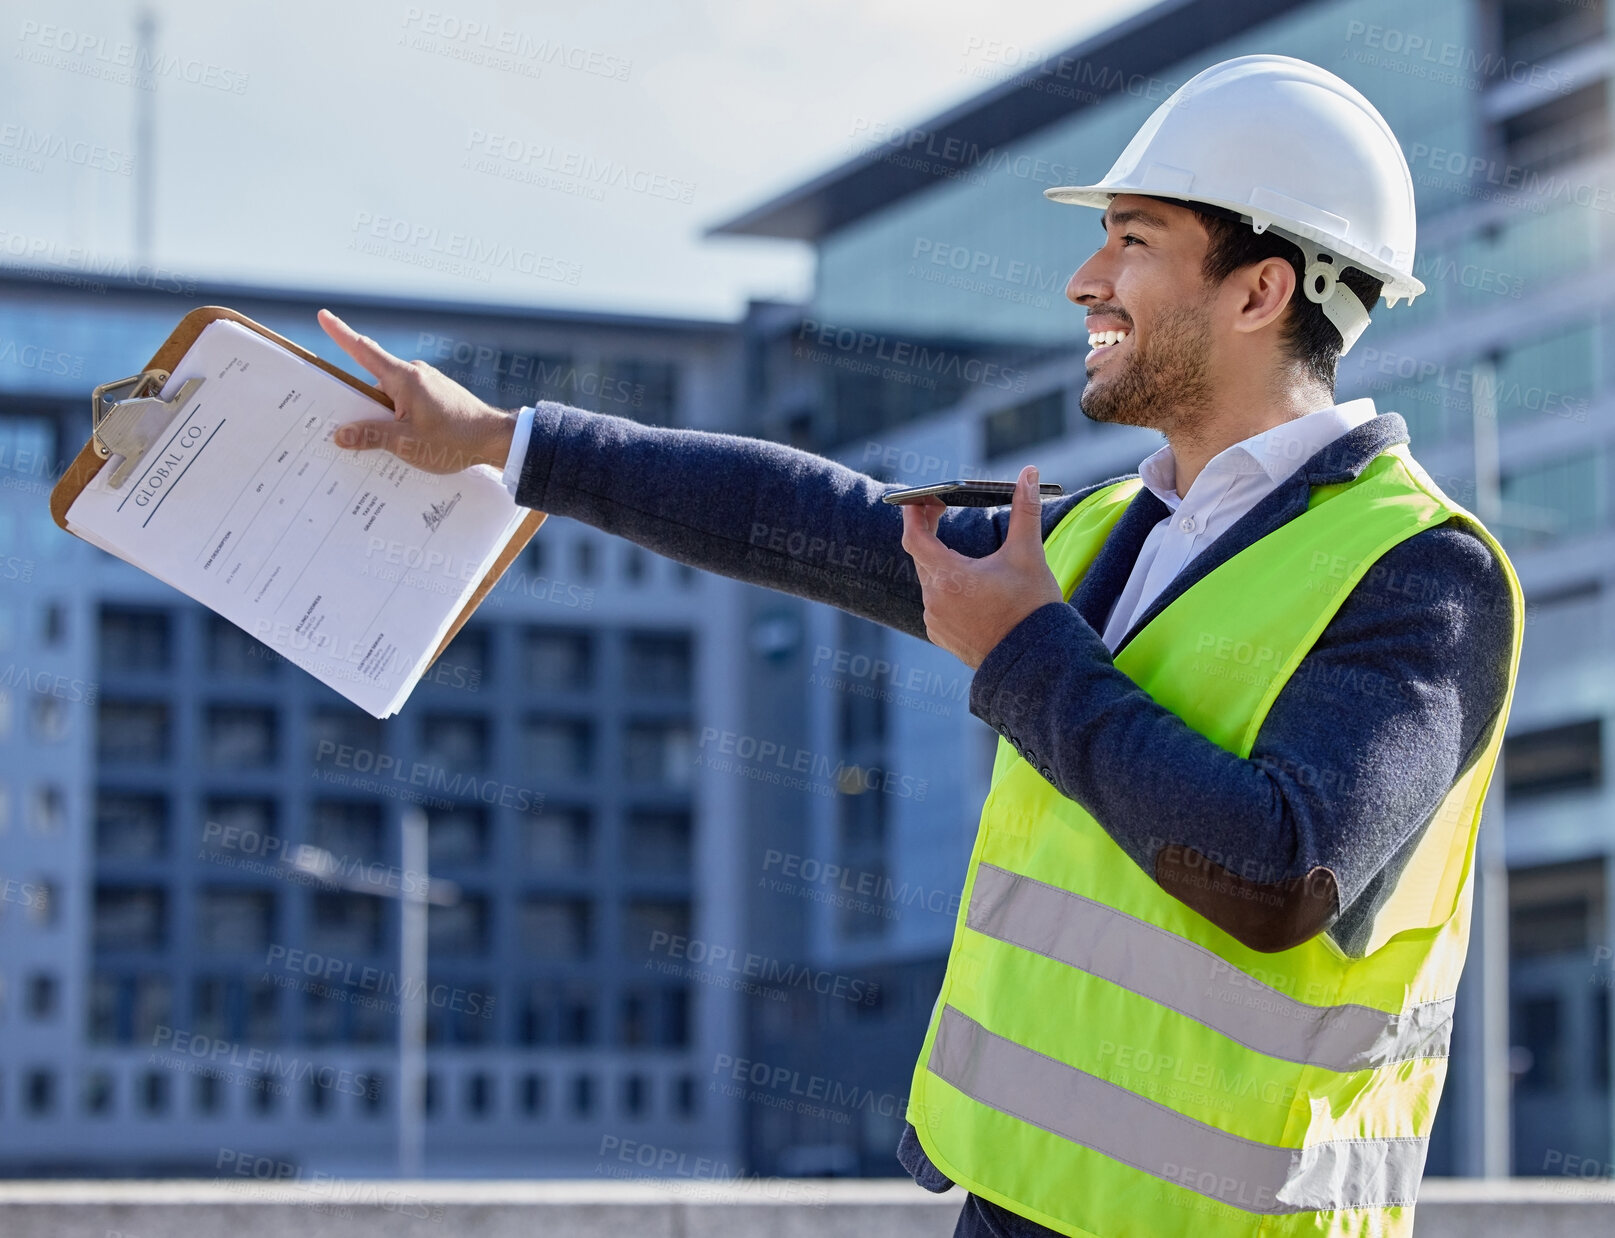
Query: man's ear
<point x="1265" y="289"/>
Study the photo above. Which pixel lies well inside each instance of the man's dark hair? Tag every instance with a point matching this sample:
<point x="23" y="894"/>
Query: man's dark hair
<point x="1310" y="337"/>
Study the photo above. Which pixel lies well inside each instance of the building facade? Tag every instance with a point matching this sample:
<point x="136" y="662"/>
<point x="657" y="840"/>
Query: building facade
<point x="178" y="997"/>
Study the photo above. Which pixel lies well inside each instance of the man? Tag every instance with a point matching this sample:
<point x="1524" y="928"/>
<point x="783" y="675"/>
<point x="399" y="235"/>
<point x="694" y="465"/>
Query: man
<point x="1250" y="700"/>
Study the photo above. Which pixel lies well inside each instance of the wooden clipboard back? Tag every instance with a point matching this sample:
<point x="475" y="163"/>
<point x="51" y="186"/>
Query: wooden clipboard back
<point x="168" y="355"/>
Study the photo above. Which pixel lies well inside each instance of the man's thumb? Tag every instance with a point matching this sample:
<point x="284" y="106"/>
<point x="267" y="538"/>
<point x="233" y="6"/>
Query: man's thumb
<point x="366" y="434"/>
<point x="1026" y="509"/>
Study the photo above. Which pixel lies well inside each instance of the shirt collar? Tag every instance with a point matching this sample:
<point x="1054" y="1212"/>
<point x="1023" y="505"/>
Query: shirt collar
<point x="1278" y="452"/>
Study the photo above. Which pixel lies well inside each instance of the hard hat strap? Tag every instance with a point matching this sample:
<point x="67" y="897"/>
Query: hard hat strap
<point x="1321" y="282"/>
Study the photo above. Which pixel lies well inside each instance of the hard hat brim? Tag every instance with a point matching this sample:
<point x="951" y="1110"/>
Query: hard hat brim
<point x="1397" y="284"/>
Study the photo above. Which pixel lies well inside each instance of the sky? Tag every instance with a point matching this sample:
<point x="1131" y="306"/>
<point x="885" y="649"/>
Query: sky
<point x="563" y="153"/>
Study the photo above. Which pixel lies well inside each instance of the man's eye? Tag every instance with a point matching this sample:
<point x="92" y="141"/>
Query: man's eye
<point x="1130" y="238"/>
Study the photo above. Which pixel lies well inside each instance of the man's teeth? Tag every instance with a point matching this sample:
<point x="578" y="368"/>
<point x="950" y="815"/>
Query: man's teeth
<point x="1098" y="338"/>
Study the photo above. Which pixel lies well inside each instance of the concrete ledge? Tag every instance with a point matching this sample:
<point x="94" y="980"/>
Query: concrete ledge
<point x="778" y="1208"/>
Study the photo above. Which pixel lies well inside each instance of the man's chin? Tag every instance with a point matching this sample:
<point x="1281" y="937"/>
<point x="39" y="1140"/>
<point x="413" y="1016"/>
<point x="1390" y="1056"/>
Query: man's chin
<point x="1108" y="412"/>
<point x="1094" y="405"/>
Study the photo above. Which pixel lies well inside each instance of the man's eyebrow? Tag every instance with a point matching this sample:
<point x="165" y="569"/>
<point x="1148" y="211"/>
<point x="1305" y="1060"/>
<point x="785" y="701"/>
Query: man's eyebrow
<point x="1136" y="214"/>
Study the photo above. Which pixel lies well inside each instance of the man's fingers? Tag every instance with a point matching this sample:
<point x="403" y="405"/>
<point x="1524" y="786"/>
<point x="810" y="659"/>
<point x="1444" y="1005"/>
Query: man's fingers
<point x="919" y="529"/>
<point x="923" y="545"/>
<point x="362" y="348"/>
<point x="930" y="511"/>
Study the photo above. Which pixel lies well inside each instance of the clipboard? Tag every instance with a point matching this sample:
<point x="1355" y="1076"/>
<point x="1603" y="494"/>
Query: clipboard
<point x="137" y="393"/>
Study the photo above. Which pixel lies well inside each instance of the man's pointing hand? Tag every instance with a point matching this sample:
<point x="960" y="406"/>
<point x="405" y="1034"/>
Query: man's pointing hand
<point x="972" y="604"/>
<point x="437" y="425"/>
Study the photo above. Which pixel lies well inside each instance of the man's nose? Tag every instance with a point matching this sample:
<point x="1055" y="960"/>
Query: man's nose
<point x="1089" y="283"/>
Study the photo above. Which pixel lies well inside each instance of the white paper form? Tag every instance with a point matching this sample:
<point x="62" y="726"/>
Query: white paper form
<point x="353" y="565"/>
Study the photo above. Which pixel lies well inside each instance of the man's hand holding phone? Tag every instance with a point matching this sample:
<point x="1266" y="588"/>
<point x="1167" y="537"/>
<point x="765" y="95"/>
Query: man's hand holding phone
<point x="972" y="604"/>
<point x="437" y="425"/>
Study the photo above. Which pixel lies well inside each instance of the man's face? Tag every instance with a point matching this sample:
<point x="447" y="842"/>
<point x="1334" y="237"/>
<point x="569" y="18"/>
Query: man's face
<point x="1145" y="283"/>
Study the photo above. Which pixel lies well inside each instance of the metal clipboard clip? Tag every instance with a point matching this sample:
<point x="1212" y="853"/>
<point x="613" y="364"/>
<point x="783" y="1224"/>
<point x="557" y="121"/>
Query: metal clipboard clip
<point x="127" y="417"/>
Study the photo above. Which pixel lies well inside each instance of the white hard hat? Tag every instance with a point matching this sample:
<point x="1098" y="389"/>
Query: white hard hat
<point x="1288" y="146"/>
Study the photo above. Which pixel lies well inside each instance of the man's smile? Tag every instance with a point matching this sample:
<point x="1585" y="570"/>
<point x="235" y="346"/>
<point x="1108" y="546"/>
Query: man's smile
<point x="1102" y="342"/>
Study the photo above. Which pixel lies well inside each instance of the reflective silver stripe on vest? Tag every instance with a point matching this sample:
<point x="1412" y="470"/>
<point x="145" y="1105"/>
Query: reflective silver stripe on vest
<point x="1192" y="980"/>
<point x="1087" y="1110"/>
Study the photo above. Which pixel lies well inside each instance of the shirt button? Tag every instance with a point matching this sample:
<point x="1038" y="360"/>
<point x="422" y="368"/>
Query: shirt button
<point x="1187" y="524"/>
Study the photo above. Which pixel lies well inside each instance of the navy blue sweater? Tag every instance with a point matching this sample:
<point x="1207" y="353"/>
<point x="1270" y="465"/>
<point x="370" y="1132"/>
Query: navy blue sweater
<point x="1306" y="835"/>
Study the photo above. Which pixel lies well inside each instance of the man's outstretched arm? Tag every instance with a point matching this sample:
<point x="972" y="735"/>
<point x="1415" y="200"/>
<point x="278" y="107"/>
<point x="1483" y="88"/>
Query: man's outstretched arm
<point x="745" y="508"/>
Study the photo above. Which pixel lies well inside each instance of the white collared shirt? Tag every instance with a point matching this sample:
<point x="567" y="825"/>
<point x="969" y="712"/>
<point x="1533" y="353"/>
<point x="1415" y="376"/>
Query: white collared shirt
<point x="1233" y="481"/>
<point x="512" y="474"/>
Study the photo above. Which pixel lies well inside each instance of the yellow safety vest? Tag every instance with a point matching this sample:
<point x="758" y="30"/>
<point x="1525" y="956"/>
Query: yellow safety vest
<point x="1108" y="1062"/>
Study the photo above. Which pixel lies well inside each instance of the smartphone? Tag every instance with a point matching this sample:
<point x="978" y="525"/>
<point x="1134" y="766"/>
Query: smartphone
<point x="968" y="493"/>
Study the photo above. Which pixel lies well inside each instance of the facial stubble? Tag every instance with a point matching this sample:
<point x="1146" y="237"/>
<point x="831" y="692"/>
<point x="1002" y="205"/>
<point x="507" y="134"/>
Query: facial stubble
<point x="1162" y="386"/>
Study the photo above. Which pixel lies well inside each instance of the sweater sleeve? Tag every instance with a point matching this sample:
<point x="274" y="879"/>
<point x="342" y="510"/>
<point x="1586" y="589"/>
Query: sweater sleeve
<point x="1392" y="703"/>
<point x="746" y="508"/>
